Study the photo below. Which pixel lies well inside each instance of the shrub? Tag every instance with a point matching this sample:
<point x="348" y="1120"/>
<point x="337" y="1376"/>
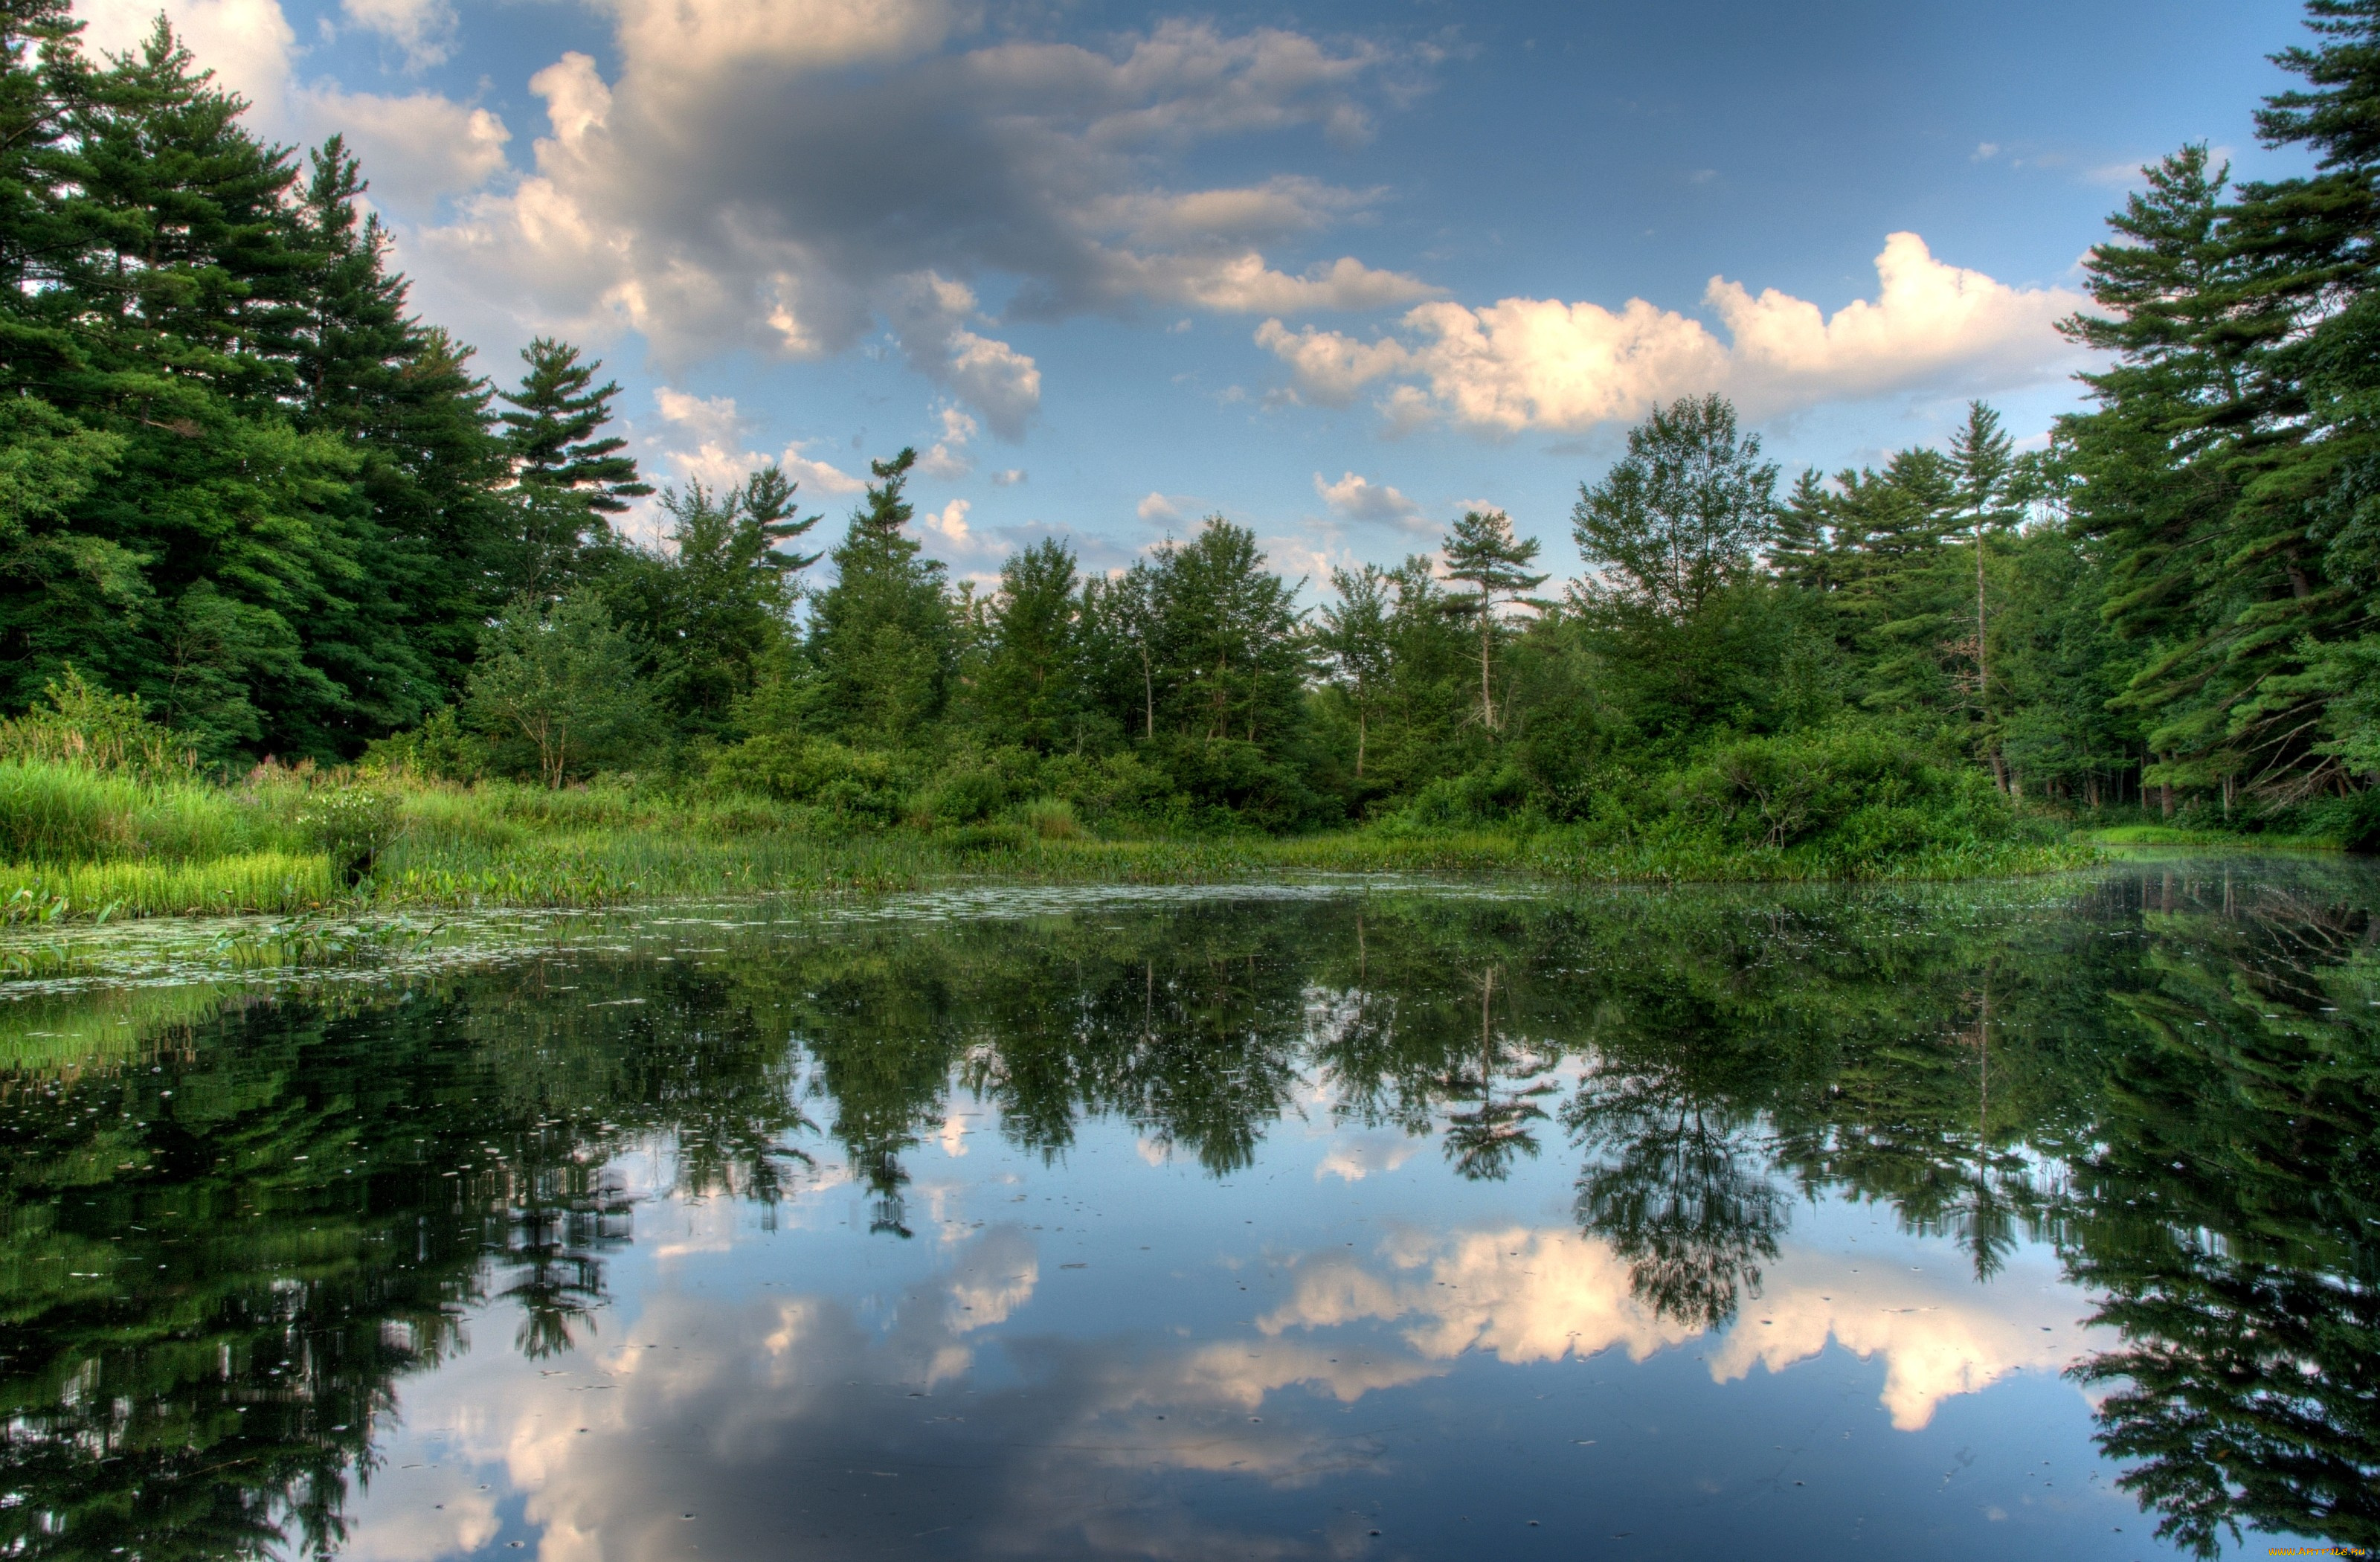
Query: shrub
<point x="89" y="728"/>
<point x="1474" y="798"/>
<point x="1855" y="795"/>
<point x="1118" y="789"/>
<point x="351" y="825"/>
<point x="854" y="785"/>
<point x="439" y="749"/>
<point x="1052" y="819"/>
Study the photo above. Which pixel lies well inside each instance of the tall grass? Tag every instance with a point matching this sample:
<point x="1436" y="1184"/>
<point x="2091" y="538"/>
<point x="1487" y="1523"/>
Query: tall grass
<point x="82" y="844"/>
<point x="258" y="880"/>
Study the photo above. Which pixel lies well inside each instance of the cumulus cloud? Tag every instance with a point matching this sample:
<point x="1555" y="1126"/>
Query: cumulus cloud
<point x="424" y="28"/>
<point x="417" y="149"/>
<point x="248" y="44"/>
<point x="1359" y="498"/>
<point x="703" y="440"/>
<point x="1156" y="506"/>
<point x="818" y="477"/>
<point x="709" y="193"/>
<point x="1525" y="364"/>
<point x="712" y="181"/>
<point x="929" y="314"/>
<point x="947" y="457"/>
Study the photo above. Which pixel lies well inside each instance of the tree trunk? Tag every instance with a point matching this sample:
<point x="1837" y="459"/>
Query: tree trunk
<point x="2165" y="795"/>
<point x="1982" y="661"/>
<point x="1487" y="631"/>
<point x="1359" y="742"/>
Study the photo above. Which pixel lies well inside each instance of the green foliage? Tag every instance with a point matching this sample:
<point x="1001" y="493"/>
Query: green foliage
<point x="441" y="748"/>
<point x="1680" y="516"/>
<point x="93" y="730"/>
<point x="351" y="825"/>
<point x="558" y="692"/>
<point x="711" y="609"/>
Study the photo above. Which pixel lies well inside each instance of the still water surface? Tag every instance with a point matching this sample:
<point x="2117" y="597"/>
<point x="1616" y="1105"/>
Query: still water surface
<point x="1343" y="1220"/>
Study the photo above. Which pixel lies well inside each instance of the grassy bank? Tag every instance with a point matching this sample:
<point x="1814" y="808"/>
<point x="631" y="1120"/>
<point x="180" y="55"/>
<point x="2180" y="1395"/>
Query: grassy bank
<point x="81" y="845"/>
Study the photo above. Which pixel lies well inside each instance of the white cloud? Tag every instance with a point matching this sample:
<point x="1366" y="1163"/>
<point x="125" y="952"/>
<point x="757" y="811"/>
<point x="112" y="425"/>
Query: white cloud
<point x="1156" y="506"/>
<point x="415" y="149"/>
<point x="948" y="537"/>
<point x="1002" y="382"/>
<point x="1540" y="364"/>
<point x="1243" y="284"/>
<point x="1928" y="319"/>
<point x="948" y="459"/>
<point x="1359" y="498"/>
<point x="424" y="28"/>
<point x="1329" y="367"/>
<point x="710" y="418"/>
<point x="1985" y="152"/>
<point x="248" y="44"/>
<point x="818" y="477"/>
<point x="1008" y="477"/>
<point x="705" y="443"/>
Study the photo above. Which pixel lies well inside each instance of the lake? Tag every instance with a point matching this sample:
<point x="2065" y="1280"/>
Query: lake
<point x="1337" y="1219"/>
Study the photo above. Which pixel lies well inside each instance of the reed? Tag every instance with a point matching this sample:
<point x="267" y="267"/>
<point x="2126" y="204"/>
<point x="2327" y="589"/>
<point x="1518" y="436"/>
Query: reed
<point x="260" y="881"/>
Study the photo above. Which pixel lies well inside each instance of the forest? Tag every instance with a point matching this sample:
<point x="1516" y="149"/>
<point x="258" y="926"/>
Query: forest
<point x="256" y="512"/>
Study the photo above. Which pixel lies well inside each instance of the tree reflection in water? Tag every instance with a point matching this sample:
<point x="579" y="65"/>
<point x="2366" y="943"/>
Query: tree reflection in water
<point x="219" y="1258"/>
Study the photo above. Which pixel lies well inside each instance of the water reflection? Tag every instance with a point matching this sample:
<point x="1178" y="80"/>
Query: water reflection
<point x="244" y="1233"/>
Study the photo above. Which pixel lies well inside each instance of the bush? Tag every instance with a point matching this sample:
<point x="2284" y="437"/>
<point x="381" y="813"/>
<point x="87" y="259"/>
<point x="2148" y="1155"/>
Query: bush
<point x="1052" y="819"/>
<point x="856" y="786"/>
<point x="351" y="825"/>
<point x="1117" y="790"/>
<point x="968" y="796"/>
<point x="439" y="749"/>
<point x="1854" y="796"/>
<point x="1477" y="797"/>
<point x="91" y="729"/>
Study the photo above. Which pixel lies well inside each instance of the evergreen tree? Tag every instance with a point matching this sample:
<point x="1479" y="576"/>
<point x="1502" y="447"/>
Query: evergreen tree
<point x="554" y="432"/>
<point x="881" y="636"/>
<point x="1482" y="553"/>
<point x="1798" y="550"/>
<point x="712" y="607"/>
<point x="570" y="476"/>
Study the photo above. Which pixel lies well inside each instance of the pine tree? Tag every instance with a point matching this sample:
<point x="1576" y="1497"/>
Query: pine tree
<point x="554" y="432"/>
<point x="570" y="476"/>
<point x="881" y="636"/>
<point x="1482" y="553"/>
<point x="714" y="608"/>
<point x="1797" y="548"/>
<point x="1983" y="463"/>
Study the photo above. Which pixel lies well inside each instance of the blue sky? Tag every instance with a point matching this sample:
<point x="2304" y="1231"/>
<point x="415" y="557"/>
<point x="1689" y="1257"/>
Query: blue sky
<point x="1334" y="272"/>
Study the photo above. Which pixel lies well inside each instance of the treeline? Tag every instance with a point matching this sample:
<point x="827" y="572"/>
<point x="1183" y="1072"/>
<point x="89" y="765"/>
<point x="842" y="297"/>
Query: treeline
<point x="243" y="483"/>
